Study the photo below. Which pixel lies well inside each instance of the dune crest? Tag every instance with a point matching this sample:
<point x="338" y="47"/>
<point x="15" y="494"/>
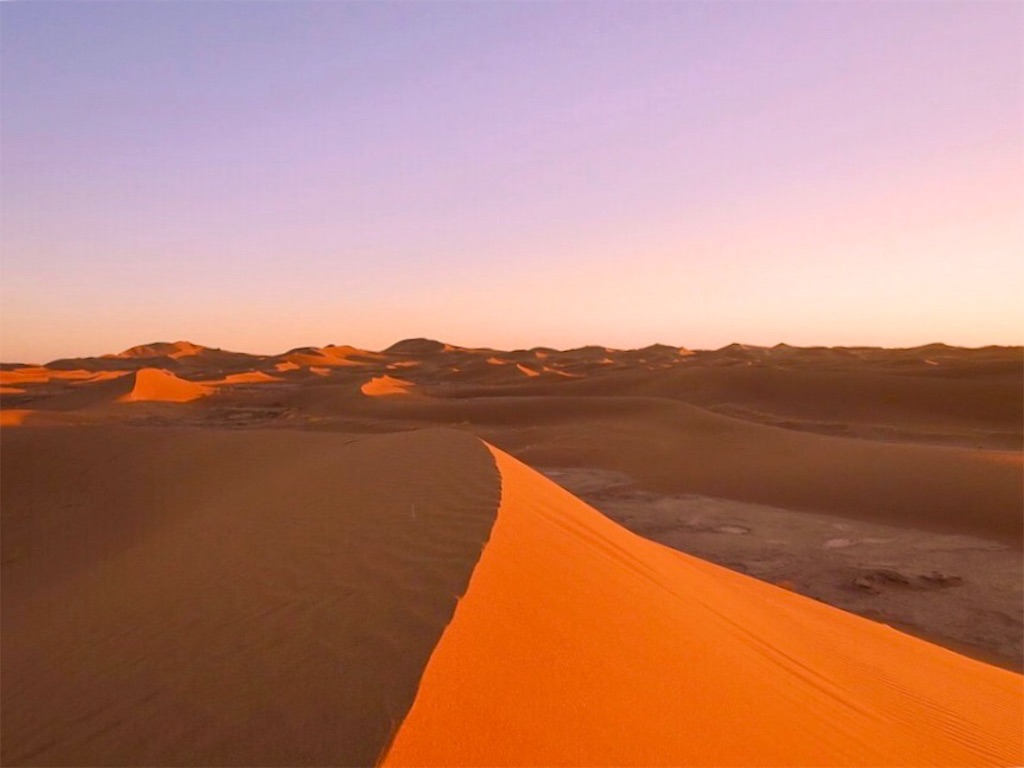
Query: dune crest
<point x="248" y="377"/>
<point x="318" y="358"/>
<point x="100" y="376"/>
<point x="174" y="350"/>
<point x="384" y="386"/>
<point x="580" y="643"/>
<point x="347" y="350"/>
<point x="155" y="384"/>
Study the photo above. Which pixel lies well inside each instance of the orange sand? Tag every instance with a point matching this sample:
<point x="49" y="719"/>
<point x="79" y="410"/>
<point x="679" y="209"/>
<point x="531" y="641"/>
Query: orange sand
<point x="185" y="349"/>
<point x="249" y="377"/>
<point x="13" y="417"/>
<point x="579" y="643"/>
<point x="159" y="385"/>
<point x="333" y="357"/>
<point x="549" y="369"/>
<point x="528" y="371"/>
<point x="385" y="385"/>
<point x="38" y="374"/>
<point x="11" y="391"/>
<point x="286" y="366"/>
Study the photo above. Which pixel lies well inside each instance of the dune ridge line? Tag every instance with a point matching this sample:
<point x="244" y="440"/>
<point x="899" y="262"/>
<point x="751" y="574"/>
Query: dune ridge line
<point x="578" y="643"/>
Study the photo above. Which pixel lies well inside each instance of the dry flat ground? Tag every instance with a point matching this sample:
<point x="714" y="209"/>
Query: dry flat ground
<point x="888" y="483"/>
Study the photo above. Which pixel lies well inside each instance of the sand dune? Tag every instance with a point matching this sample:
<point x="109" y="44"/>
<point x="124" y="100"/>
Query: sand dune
<point x="13" y="417"/>
<point x="178" y="356"/>
<point x="385" y="386"/>
<point x="153" y="384"/>
<point x="674" y="447"/>
<point x="927" y="439"/>
<point x="202" y="597"/>
<point x="211" y="597"/>
<point x="41" y="375"/>
<point x="317" y="357"/>
<point x="526" y="370"/>
<point x="418" y="347"/>
<point x="101" y="376"/>
<point x="163" y="349"/>
<point x="249" y="377"/>
<point x="578" y="643"/>
<point x="347" y="351"/>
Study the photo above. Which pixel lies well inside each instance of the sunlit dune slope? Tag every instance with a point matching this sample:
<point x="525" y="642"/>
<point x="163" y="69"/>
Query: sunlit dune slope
<point x="247" y="377"/>
<point x="321" y="358"/>
<point x="37" y="374"/>
<point x="578" y="643"/>
<point x="204" y="597"/>
<point x="153" y="384"/>
<point x="13" y="417"/>
<point x="383" y="386"/>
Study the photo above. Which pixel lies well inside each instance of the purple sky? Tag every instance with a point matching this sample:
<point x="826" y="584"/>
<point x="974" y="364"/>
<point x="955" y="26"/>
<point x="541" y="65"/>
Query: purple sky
<point x="260" y="175"/>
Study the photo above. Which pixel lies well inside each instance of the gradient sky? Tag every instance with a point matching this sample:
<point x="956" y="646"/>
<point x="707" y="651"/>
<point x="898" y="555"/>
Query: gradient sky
<point x="263" y="175"/>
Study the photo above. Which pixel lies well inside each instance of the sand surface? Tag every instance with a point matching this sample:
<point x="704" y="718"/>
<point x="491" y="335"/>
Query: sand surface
<point x="962" y="591"/>
<point x="182" y="597"/>
<point x="645" y="656"/>
<point x="175" y="502"/>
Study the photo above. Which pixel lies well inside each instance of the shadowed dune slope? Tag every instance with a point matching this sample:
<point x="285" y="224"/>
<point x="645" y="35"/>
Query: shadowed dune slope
<point x="202" y="597"/>
<point x="580" y="643"/>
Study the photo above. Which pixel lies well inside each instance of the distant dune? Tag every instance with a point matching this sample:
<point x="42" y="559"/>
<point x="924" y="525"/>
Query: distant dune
<point x="153" y="384"/>
<point x="249" y="377"/>
<point x="386" y="385"/>
<point x="929" y="436"/>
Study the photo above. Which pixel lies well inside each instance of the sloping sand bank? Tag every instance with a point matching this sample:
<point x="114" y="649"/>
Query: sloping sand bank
<point x="579" y="643"/>
<point x="153" y="384"/>
<point x="185" y="597"/>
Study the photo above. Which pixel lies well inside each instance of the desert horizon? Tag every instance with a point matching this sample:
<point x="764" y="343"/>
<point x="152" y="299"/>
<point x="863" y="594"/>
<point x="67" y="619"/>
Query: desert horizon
<point x="182" y="346"/>
<point x="511" y="384"/>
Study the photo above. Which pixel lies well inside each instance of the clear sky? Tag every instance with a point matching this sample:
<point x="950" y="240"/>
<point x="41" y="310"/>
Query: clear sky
<point x="263" y="175"/>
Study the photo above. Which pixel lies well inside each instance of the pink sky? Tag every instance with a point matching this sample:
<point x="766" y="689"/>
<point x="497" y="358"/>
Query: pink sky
<point x="259" y="176"/>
